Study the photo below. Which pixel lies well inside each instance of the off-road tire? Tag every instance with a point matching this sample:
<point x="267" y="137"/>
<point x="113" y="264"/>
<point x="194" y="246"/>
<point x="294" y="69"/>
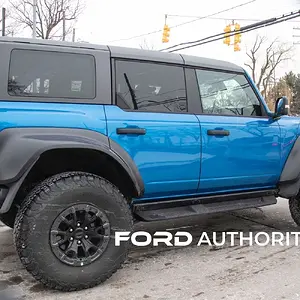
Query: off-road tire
<point x="8" y="218"/>
<point x="294" y="205"/>
<point x="37" y="214"/>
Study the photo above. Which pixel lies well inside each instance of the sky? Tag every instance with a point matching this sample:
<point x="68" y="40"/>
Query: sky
<point x="115" y="22"/>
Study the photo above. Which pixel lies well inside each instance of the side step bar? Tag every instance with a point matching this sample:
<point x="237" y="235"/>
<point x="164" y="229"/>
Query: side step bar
<point x="164" y="210"/>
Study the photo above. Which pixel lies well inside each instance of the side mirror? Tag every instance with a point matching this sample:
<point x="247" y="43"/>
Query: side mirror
<point x="281" y="107"/>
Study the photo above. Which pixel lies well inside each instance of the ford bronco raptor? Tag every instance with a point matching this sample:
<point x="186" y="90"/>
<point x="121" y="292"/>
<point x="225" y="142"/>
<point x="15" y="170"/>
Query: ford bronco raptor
<point x="92" y="137"/>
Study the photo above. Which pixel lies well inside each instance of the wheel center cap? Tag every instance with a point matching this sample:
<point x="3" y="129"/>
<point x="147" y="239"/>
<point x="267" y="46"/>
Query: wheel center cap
<point x="78" y="234"/>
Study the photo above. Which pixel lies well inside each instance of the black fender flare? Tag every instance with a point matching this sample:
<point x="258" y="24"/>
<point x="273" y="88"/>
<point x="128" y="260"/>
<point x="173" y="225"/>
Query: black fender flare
<point x="289" y="182"/>
<point x="20" y="148"/>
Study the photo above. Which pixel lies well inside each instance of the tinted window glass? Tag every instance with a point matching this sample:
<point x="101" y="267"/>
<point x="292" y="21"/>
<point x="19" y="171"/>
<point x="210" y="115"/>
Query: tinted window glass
<point x="51" y="75"/>
<point x="150" y="87"/>
<point x="227" y="94"/>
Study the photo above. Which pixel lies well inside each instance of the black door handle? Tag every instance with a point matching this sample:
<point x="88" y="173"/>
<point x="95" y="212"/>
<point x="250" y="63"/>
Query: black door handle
<point x="218" y="132"/>
<point x="131" y="130"/>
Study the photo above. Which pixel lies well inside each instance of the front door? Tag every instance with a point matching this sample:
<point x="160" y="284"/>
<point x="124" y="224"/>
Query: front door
<point x="150" y="121"/>
<point x="240" y="143"/>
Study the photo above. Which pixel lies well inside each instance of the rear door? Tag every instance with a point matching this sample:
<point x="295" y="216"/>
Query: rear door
<point x="150" y="121"/>
<point x="240" y="143"/>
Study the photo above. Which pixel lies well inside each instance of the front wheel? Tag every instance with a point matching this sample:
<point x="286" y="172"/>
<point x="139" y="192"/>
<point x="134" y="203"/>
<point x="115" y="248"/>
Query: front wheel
<point x="64" y="231"/>
<point x="294" y="205"/>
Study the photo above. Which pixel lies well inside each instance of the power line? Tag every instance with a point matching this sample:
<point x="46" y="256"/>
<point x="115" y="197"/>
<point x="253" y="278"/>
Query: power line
<point x="136" y="36"/>
<point x="213" y="14"/>
<point x="225" y="19"/>
<point x="247" y="28"/>
<point x="184" y="23"/>
<point x="220" y="38"/>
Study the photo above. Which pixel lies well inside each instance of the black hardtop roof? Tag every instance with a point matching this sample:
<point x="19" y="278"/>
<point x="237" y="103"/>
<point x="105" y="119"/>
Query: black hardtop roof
<point x="134" y="53"/>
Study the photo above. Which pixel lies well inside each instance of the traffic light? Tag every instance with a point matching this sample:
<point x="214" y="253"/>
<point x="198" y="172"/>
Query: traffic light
<point x="237" y="36"/>
<point x="166" y="34"/>
<point x="227" y="31"/>
<point x="236" y="47"/>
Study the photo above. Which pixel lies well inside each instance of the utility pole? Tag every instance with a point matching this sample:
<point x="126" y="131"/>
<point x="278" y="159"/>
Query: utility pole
<point x="296" y="36"/>
<point x="73" y="35"/>
<point x="64" y="25"/>
<point x="34" y="84"/>
<point x="3" y="21"/>
<point x="34" y="19"/>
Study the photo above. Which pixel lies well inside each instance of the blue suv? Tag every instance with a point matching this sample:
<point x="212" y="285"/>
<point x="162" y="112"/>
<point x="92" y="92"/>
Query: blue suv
<point x="93" y="138"/>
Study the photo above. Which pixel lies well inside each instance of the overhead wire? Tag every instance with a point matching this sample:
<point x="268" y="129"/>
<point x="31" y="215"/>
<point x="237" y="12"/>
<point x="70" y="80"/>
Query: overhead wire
<point x="225" y="19"/>
<point x="184" y="23"/>
<point x="247" y="28"/>
<point x="213" y="14"/>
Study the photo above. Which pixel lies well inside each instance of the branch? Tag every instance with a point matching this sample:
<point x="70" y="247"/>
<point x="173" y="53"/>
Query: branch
<point x="253" y="57"/>
<point x="49" y="14"/>
<point x="268" y="62"/>
<point x="258" y="42"/>
<point x="251" y="67"/>
<point x="277" y="57"/>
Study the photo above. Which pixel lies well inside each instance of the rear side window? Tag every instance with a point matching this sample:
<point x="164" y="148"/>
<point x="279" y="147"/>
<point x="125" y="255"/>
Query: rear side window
<point x="150" y="87"/>
<point x="227" y="94"/>
<point x="51" y="75"/>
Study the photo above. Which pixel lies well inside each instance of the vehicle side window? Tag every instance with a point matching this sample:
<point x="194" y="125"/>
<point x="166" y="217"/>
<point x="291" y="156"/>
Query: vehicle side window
<point x="48" y="74"/>
<point x="150" y="87"/>
<point x="227" y="94"/>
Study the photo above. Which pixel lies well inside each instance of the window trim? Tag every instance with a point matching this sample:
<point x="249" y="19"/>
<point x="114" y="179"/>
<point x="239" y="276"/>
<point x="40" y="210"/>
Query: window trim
<point x="114" y="84"/>
<point x="263" y="109"/>
<point x="51" y="99"/>
<point x="193" y="92"/>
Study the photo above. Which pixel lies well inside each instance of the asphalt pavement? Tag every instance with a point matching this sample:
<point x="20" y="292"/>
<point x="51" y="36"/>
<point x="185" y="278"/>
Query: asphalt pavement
<point x="192" y="272"/>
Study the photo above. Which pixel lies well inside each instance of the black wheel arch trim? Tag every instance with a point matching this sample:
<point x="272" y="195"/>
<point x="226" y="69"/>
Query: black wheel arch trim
<point x="20" y="148"/>
<point x="289" y="182"/>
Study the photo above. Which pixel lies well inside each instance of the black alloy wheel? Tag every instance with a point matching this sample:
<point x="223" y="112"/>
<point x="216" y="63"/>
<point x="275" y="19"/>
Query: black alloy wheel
<point x="80" y="234"/>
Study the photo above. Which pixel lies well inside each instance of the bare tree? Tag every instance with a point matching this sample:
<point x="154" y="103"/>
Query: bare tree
<point x="145" y="45"/>
<point x="253" y="55"/>
<point x="50" y="15"/>
<point x="274" y="54"/>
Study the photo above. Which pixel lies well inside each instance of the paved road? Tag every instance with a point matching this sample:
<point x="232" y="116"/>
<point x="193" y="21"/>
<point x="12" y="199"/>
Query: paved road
<point x="194" y="272"/>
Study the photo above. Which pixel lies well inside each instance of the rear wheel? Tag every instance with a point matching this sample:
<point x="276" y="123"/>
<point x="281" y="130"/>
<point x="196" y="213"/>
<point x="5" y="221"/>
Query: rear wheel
<point x="64" y="231"/>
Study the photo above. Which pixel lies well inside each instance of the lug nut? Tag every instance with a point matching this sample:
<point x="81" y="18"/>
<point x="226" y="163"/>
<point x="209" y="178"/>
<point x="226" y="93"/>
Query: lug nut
<point x="85" y="228"/>
<point x="78" y="224"/>
<point x="71" y="230"/>
<point x="79" y="242"/>
<point x="71" y="238"/>
<point x="86" y="236"/>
